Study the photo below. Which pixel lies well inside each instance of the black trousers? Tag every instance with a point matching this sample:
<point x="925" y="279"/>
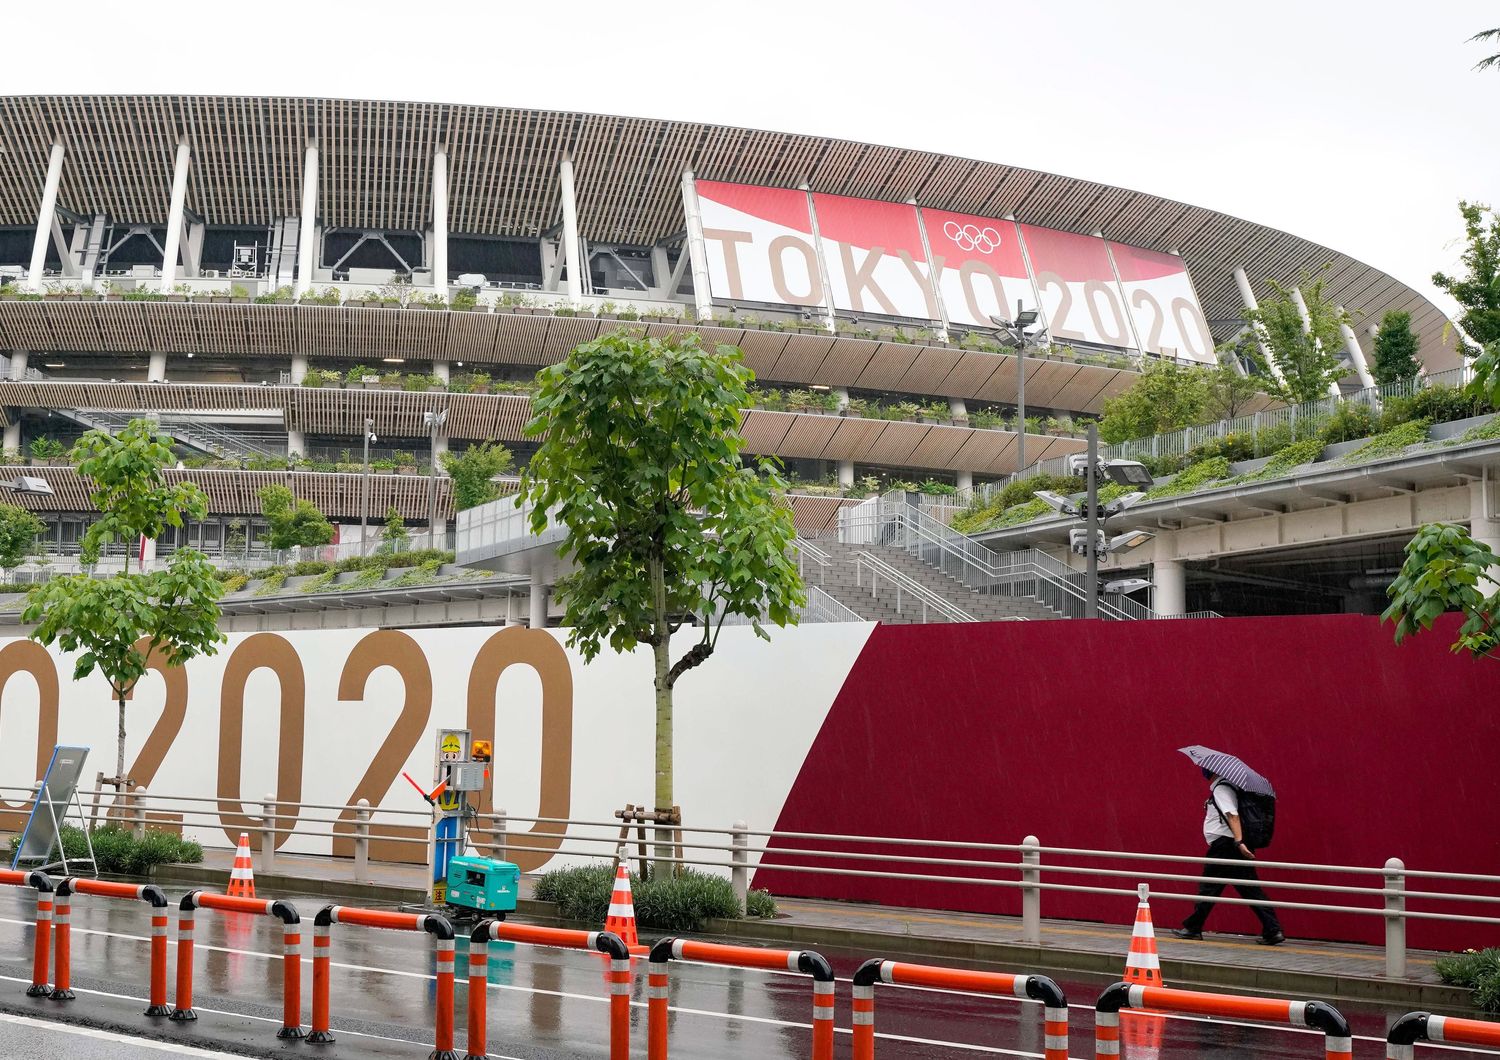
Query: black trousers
<point x="1241" y="876"/>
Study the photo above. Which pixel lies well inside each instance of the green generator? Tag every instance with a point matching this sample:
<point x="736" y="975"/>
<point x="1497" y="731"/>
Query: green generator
<point x="483" y="886"/>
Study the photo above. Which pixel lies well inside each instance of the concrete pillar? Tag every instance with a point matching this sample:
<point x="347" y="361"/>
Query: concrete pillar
<point x="439" y="447"/>
<point x="1356" y="354"/>
<point x="13" y="434"/>
<point x="170" y="249"/>
<point x="296" y="443"/>
<point x="570" y="233"/>
<point x="842" y="393"/>
<point x="1297" y="300"/>
<point x="697" y="248"/>
<point x="18" y="359"/>
<point x="440" y="221"/>
<point x="1247" y="296"/>
<point x="1171" y="587"/>
<point x="156" y="368"/>
<point x="299" y="368"/>
<point x="965" y="484"/>
<point x="538" y="599"/>
<point x="441" y="370"/>
<point x="307" y="229"/>
<point x="1485" y="528"/>
<point x="957" y="409"/>
<point x="846" y="472"/>
<point x="44" y="218"/>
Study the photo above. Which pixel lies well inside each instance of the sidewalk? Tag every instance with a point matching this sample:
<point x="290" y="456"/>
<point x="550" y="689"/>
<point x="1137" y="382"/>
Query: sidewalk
<point x="1077" y="949"/>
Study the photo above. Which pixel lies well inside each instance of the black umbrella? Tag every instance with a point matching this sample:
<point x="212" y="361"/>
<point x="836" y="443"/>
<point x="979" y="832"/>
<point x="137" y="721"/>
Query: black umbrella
<point x="1229" y="769"/>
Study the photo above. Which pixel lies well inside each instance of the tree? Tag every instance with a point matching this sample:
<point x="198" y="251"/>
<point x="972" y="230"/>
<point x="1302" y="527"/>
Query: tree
<point x="666" y="524"/>
<point x="1396" y="349"/>
<point x="473" y="473"/>
<point x="1307" y="356"/>
<point x="1443" y="571"/>
<point x="1228" y="394"/>
<point x="118" y="623"/>
<point x="1166" y="396"/>
<point x="292" y="523"/>
<point x="129" y="486"/>
<point x="1478" y="291"/>
<point x="395" y="536"/>
<point x="1489" y="60"/>
<point x="18" y="530"/>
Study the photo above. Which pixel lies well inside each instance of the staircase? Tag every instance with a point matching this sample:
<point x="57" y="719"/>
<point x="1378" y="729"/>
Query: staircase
<point x="842" y="580"/>
<point x="205" y="437"/>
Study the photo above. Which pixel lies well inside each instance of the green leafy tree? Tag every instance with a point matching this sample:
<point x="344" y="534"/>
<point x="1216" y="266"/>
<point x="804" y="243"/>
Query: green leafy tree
<point x="473" y="473"/>
<point x="1445" y="570"/>
<point x="127" y="473"/>
<point x="1477" y="290"/>
<point x="1166" y="396"/>
<point x="292" y="523"/>
<point x="18" y="530"/>
<point x="117" y="623"/>
<point x="1227" y="393"/>
<point x="666" y="524"/>
<point x="1396" y="348"/>
<point x="1489" y="61"/>
<point x="395" y="535"/>
<point x="1307" y="357"/>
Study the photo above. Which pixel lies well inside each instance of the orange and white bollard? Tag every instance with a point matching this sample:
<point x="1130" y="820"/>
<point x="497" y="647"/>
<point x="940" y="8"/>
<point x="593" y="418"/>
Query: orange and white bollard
<point x="150" y="893"/>
<point x="42" y="926"/>
<point x="322" y="954"/>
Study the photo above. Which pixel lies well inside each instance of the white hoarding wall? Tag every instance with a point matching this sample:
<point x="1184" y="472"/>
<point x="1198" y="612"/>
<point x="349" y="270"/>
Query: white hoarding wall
<point x="761" y="247"/>
<point x="331" y="717"/>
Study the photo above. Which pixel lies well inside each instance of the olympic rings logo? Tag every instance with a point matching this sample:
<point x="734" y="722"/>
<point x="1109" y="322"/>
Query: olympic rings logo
<point x="971" y="237"/>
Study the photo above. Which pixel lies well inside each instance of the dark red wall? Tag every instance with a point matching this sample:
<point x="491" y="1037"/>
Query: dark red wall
<point x="1068" y="730"/>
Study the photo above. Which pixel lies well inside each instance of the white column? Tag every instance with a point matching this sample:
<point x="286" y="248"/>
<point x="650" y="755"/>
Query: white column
<point x="440" y="221"/>
<point x="44" y="218"/>
<point x="442" y="371"/>
<point x="299" y="368"/>
<point x="13" y="436"/>
<point x="570" y="233"/>
<point x="965" y="484"/>
<point x="307" y="230"/>
<point x="1356" y="355"/>
<point x="296" y="443"/>
<point x="538" y="599"/>
<point x="1482" y="527"/>
<point x="440" y="447"/>
<point x="18" y="359"/>
<point x="156" y="370"/>
<point x="958" y="409"/>
<point x="846" y="472"/>
<point x="174" y="219"/>
<point x="1171" y="586"/>
<point x="1297" y="300"/>
<point x="697" y="248"/>
<point x="1247" y="296"/>
<point x="842" y="394"/>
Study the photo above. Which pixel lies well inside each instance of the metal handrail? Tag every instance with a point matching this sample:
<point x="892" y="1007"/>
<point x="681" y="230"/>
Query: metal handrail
<point x="904" y="584"/>
<point x="806" y="550"/>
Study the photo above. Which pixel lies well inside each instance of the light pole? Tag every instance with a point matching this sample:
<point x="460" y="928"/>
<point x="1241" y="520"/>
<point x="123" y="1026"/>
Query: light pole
<point x="1016" y="329"/>
<point x="364" y="492"/>
<point x="434" y="421"/>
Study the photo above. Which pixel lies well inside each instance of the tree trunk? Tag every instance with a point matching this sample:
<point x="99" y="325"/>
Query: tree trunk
<point x="661" y="652"/>
<point x="120" y="750"/>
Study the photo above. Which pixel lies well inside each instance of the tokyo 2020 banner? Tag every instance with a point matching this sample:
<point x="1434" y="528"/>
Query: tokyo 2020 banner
<point x="776" y="246"/>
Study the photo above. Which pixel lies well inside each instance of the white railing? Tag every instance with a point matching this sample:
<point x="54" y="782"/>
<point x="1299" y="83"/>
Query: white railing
<point x="871" y="569"/>
<point x="820" y="607"/>
<point x="807" y="552"/>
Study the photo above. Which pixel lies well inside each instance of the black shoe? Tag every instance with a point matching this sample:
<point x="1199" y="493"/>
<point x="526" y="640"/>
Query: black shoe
<point x="1191" y="936"/>
<point x="1272" y="940"/>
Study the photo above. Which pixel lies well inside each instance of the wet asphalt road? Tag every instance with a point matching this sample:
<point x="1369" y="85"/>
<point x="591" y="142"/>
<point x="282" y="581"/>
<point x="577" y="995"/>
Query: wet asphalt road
<point x="544" y="1003"/>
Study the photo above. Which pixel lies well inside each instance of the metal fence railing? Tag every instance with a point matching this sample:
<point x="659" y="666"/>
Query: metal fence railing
<point x="870" y="570"/>
<point x="1389" y="891"/>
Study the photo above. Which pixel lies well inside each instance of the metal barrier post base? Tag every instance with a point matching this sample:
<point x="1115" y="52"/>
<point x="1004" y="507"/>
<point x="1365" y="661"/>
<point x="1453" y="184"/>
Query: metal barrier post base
<point x="38" y="990"/>
<point x="183" y="1015"/>
<point x="290" y="1033"/>
<point x="158" y="1010"/>
<point x="320" y="1038"/>
<point x="63" y="995"/>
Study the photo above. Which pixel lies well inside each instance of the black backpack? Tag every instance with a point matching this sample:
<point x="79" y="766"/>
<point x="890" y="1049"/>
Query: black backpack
<point x="1257" y="817"/>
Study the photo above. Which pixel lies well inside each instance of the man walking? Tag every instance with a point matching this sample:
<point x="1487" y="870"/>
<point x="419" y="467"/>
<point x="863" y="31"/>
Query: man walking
<point x="1226" y="841"/>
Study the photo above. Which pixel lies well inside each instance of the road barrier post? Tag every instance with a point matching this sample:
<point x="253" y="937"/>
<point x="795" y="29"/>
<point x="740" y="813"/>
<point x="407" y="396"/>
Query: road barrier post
<point x="362" y="841"/>
<point x="606" y="942"/>
<point x="291" y="948"/>
<point x="1395" y="920"/>
<point x="138" y="813"/>
<point x="806" y="961"/>
<point x="1319" y="1015"/>
<point x="1031" y="891"/>
<point x="440" y="927"/>
<point x="739" y="856"/>
<point x="1036" y="987"/>
<point x="1425" y="1027"/>
<point x="268" y="835"/>
<point x="42" y="928"/>
<point x="149" y="893"/>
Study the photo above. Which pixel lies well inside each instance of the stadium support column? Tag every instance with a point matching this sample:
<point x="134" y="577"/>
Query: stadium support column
<point x="174" y="220"/>
<point x="44" y="218"/>
<point x="570" y="232"/>
<point x="1356" y="355"/>
<point x="442" y="372"/>
<point x="697" y="248"/>
<point x="13" y="435"/>
<point x="296" y="441"/>
<point x="1484" y="527"/>
<point x="1301" y="304"/>
<point x="1170" y="579"/>
<point x="299" y="368"/>
<point x="1247" y="296"/>
<point x="307" y="230"/>
<point x="440" y="221"/>
<point x="965" y="485"/>
<point x="156" y="369"/>
<point x="18" y="359"/>
<point x="846" y="473"/>
<point x="538" y="599"/>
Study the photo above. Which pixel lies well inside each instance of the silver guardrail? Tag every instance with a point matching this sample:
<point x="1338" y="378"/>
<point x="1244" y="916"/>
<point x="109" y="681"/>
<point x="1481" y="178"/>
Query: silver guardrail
<point x="1028" y="867"/>
<point x="870" y="568"/>
<point x="807" y="552"/>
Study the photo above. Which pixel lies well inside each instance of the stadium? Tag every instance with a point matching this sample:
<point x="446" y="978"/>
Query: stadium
<point x="332" y="293"/>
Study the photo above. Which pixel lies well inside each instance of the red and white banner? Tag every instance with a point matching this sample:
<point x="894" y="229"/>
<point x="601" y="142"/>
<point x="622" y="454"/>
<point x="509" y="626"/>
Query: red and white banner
<point x="979" y="265"/>
<point x="1161" y="298"/>
<point x="1080" y="298"/>
<point x="875" y="259"/>
<point x="760" y="244"/>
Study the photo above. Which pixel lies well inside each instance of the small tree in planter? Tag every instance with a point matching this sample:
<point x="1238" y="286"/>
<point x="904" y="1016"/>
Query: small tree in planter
<point x="292" y="523"/>
<point x="18" y="530"/>
<point x="473" y="473"/>
<point x="394" y="537"/>
<point x="406" y="463"/>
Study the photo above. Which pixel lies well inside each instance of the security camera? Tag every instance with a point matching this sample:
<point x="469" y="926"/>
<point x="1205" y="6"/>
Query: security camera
<point x="1125" y="586"/>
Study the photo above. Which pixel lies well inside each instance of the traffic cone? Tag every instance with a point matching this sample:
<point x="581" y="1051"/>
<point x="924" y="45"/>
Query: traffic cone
<point x="621" y="918"/>
<point x="1143" y="964"/>
<point x="242" y="877"/>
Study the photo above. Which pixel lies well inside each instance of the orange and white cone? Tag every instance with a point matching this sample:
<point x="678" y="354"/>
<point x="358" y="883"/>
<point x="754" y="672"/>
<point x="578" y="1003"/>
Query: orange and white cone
<point x="242" y="877"/>
<point x="621" y="918"/>
<point x="1142" y="1030"/>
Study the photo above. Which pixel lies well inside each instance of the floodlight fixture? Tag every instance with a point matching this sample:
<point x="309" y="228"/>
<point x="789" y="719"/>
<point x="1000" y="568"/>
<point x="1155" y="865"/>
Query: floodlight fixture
<point x="1128" y="472"/>
<point x="1127" y="541"/>
<point x="1027" y="318"/>
<point x="1125" y="586"/>
<point x="1062" y="505"/>
<point x="1119" y="504"/>
<point x="30" y="484"/>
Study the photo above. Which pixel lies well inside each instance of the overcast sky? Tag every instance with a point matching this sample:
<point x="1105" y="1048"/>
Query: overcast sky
<point x="1355" y="124"/>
